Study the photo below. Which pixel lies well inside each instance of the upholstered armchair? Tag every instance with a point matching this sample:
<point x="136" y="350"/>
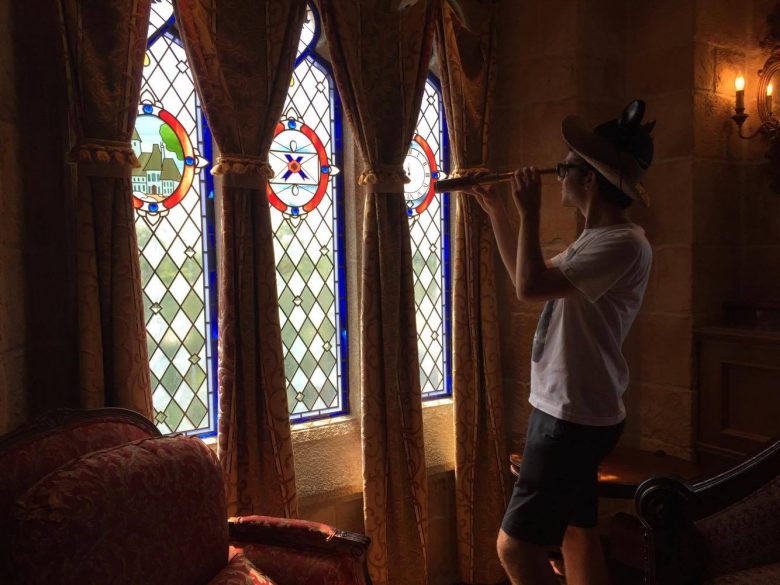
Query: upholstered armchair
<point x="722" y="531"/>
<point x="100" y="497"/>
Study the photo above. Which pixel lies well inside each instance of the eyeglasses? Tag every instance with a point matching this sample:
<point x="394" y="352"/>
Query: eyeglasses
<point x="563" y="168"/>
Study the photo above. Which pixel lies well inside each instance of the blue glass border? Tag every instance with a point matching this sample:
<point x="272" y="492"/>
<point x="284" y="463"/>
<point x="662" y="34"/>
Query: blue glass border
<point x="446" y="251"/>
<point x="210" y="267"/>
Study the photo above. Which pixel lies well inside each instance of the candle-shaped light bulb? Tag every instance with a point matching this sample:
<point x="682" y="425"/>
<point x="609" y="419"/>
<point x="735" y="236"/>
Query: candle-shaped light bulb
<point x="769" y="89"/>
<point x="740" y="85"/>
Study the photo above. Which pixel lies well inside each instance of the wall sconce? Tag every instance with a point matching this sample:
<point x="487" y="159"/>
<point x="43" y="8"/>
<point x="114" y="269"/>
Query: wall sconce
<point x="768" y="79"/>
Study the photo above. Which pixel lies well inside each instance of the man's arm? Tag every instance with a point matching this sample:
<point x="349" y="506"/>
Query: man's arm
<point x="535" y="279"/>
<point x="506" y="236"/>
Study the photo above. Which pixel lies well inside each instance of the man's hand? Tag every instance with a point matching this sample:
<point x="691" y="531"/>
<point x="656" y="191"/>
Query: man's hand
<point x="527" y="190"/>
<point x="487" y="198"/>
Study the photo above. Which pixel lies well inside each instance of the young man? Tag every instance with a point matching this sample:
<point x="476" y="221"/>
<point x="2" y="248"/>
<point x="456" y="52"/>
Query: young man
<point x="578" y="374"/>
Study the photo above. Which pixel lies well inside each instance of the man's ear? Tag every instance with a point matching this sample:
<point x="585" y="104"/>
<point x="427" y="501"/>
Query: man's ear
<point x="590" y="179"/>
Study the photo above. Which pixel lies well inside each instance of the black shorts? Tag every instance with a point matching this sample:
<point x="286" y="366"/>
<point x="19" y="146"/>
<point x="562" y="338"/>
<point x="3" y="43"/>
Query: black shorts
<point x="557" y="484"/>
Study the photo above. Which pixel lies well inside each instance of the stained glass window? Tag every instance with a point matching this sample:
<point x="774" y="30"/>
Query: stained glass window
<point x="306" y="198"/>
<point x="172" y="195"/>
<point x="429" y="231"/>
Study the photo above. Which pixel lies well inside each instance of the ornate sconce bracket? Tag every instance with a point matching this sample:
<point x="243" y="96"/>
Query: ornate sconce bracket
<point x="768" y="80"/>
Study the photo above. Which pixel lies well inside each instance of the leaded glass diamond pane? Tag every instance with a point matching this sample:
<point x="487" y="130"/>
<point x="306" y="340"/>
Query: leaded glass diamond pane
<point x="427" y="227"/>
<point x="170" y="218"/>
<point x="304" y="221"/>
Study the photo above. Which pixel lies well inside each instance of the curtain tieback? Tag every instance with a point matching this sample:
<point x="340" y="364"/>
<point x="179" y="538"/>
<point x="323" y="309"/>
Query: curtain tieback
<point x="243" y="171"/>
<point x="469" y="171"/>
<point x="97" y="157"/>
<point x="385" y="178"/>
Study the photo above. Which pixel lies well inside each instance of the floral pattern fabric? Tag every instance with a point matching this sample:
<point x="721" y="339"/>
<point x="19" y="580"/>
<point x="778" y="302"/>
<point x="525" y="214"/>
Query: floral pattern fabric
<point x="242" y="54"/>
<point x="467" y="55"/>
<point x="288" y="566"/>
<point x="744" y="535"/>
<point x="241" y="571"/>
<point x="381" y="55"/>
<point x="27" y="460"/>
<point x="764" y="575"/>
<point x="104" y="44"/>
<point x="151" y="511"/>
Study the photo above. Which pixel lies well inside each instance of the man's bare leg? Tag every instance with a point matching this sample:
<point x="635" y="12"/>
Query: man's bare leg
<point x="524" y="562"/>
<point x="583" y="557"/>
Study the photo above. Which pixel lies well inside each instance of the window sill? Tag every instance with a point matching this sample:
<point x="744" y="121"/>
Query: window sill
<point x="328" y="453"/>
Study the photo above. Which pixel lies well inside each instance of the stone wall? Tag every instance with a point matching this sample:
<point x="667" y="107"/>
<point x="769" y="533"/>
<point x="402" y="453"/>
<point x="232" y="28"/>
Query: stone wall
<point x="714" y="224"/>
<point x="555" y="58"/>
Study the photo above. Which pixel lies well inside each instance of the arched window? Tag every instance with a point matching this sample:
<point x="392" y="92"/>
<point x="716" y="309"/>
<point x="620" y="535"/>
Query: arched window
<point x="173" y="198"/>
<point x="306" y="197"/>
<point x="429" y="230"/>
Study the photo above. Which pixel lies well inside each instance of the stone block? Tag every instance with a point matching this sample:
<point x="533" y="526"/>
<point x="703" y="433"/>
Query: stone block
<point x="659" y="349"/>
<point x="671" y="281"/>
<point x="349" y="514"/>
<point x="539" y="142"/>
<point x="717" y="189"/>
<point x="653" y="73"/>
<point x="318" y="510"/>
<point x="668" y="220"/>
<point x="704" y="67"/>
<point x="673" y="133"/>
<point x="715" y="280"/>
<point x="559" y="23"/>
<point x="518" y="30"/>
<point x="601" y="80"/>
<point x="714" y="132"/>
<point x="648" y="444"/>
<point x="602" y="27"/>
<point x="730" y="64"/>
<point x="537" y="80"/>
<point x="761" y="208"/>
<point x="760" y="283"/>
<point x="723" y="22"/>
<point x="659" y="25"/>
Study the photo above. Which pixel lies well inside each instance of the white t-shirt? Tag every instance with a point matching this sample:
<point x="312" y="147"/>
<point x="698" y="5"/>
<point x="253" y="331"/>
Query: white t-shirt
<point x="578" y="372"/>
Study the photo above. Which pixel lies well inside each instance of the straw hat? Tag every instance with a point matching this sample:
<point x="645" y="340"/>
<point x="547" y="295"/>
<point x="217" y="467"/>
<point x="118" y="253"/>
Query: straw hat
<point x="621" y="150"/>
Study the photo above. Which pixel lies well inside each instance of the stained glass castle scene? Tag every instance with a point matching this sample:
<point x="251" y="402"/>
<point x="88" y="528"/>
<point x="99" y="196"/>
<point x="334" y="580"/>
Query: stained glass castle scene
<point x="173" y="199"/>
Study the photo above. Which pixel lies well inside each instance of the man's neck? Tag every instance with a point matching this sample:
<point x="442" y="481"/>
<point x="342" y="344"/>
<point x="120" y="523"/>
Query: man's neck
<point x="599" y="213"/>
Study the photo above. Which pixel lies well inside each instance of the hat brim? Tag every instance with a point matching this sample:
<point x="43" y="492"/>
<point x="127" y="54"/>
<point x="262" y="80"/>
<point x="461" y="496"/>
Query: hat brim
<point x="619" y="168"/>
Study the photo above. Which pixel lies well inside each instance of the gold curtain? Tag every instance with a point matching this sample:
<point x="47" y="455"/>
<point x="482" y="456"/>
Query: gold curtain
<point x="380" y="59"/>
<point x="242" y="53"/>
<point x="467" y="62"/>
<point x="104" y="46"/>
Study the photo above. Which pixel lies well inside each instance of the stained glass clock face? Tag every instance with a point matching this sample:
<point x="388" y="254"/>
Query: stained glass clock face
<point x="420" y="166"/>
<point x="301" y="169"/>
<point x="168" y="162"/>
